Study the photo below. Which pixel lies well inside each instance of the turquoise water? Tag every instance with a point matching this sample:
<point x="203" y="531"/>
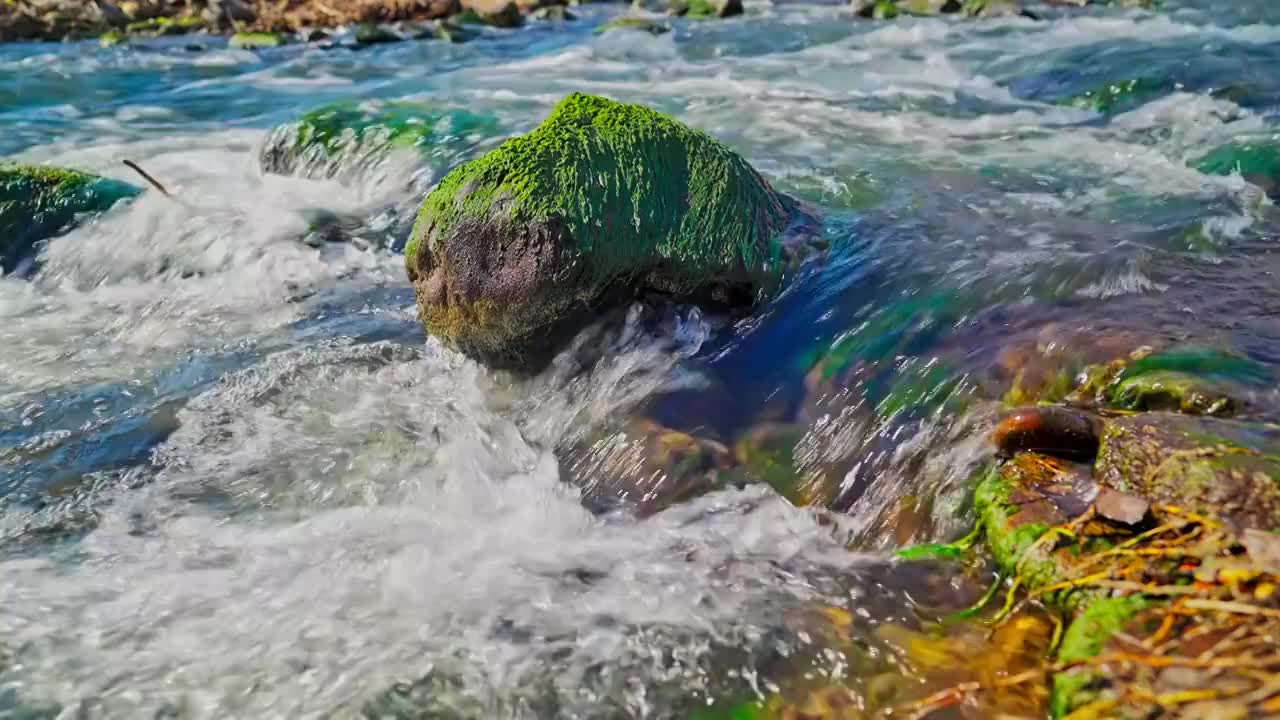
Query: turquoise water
<point x="239" y="481"/>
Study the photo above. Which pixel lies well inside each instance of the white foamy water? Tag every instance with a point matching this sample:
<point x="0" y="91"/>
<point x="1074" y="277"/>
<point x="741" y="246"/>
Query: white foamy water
<point x="240" y="482"/>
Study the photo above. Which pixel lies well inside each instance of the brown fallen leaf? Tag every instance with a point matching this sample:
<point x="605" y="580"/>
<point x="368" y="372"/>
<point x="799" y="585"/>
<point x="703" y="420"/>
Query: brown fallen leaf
<point x="1121" y="507"/>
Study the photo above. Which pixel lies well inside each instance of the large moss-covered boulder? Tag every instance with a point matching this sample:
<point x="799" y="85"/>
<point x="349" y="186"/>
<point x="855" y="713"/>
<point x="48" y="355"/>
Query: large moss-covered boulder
<point x="601" y="204"/>
<point x="347" y="137"/>
<point x="37" y="202"/>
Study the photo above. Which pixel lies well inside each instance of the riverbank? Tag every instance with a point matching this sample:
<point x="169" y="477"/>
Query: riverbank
<point x="115" y="21"/>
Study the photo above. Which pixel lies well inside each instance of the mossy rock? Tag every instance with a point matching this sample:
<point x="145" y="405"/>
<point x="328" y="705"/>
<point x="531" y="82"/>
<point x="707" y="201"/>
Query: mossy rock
<point x="647" y="467"/>
<point x="653" y="27"/>
<point x="876" y="9"/>
<point x="703" y="9"/>
<point x="1011" y="526"/>
<point x="767" y="454"/>
<point x="256" y="40"/>
<point x="1120" y="95"/>
<point x="1222" y="468"/>
<point x="350" y="136"/>
<point x="38" y="202"/>
<point x="602" y="204"/>
<point x="495" y="13"/>
<point x="692" y="9"/>
<point x="453" y="32"/>
<point x="1257" y="161"/>
<point x="926" y="8"/>
<point x="994" y="9"/>
<point x="112" y="38"/>
<point x="1167" y="390"/>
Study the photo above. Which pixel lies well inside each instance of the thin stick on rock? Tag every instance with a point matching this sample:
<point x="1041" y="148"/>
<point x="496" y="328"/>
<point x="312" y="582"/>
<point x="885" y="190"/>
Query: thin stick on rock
<point x="145" y="176"/>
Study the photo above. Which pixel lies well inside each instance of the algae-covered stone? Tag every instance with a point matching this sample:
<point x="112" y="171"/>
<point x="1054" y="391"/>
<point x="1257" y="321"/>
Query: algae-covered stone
<point x="1168" y="390"/>
<point x="1257" y="161"/>
<point x="1018" y="502"/>
<point x="653" y="27"/>
<point x="601" y="204"/>
<point x="930" y="7"/>
<point x="1223" y="468"/>
<point x="111" y="38"/>
<point x="700" y="9"/>
<point x="350" y="136"/>
<point x="767" y="454"/>
<point x="37" y="202"/>
<point x="498" y="13"/>
<point x="646" y="467"/>
<point x="256" y="40"/>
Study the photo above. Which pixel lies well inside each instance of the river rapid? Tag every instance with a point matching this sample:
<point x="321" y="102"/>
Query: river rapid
<point x="237" y="480"/>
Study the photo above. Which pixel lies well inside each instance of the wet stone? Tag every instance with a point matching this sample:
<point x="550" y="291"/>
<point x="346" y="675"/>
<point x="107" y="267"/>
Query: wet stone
<point x="1059" y="431"/>
<point x="1223" y="468"/>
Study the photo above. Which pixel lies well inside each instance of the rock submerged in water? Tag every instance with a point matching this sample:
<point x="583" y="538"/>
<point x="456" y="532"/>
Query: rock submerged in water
<point x="38" y="202"/>
<point x="1258" y="162"/>
<point x="602" y="204"/>
<point x="346" y="137"/>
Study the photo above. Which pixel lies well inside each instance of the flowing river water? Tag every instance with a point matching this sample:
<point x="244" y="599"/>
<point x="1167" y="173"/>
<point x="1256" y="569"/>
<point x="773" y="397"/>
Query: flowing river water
<point x="238" y="481"/>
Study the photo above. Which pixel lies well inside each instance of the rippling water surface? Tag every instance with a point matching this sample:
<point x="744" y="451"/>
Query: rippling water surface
<point x="237" y="480"/>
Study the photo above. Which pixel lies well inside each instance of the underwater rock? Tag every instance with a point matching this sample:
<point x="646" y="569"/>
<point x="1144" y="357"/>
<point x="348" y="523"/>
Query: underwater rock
<point x="1222" y="468"/>
<point x="602" y="204"/>
<point x="1257" y="161"/>
<point x="766" y="454"/>
<point x="647" y="468"/>
<point x="38" y="202"/>
<point x="348" y="137"/>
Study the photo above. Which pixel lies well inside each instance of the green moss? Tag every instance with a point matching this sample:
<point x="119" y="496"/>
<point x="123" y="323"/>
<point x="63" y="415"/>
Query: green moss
<point x="1085" y="637"/>
<point x="636" y="199"/>
<point x="1203" y="361"/>
<point x="884" y="10"/>
<point x="747" y="710"/>
<point x="652" y="27"/>
<point x="700" y="9"/>
<point x="333" y="133"/>
<point x="1006" y="541"/>
<point x="1120" y="95"/>
<point x="1254" y="160"/>
<point x="930" y="551"/>
<point x="111" y="38"/>
<point x="254" y="40"/>
<point x="1166" y="390"/>
<point x="36" y="202"/>
<point x="767" y="455"/>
